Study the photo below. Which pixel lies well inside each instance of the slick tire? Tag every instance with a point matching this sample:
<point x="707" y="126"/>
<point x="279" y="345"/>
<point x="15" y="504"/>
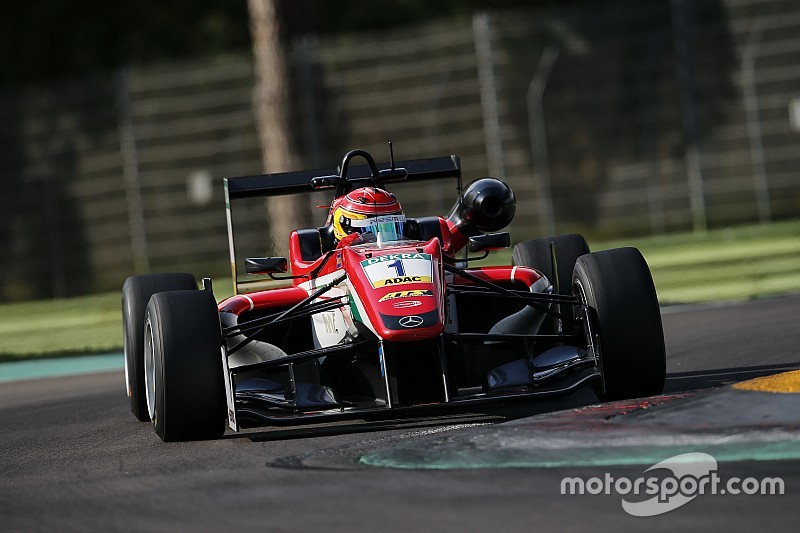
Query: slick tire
<point x="136" y="293"/>
<point x="184" y="384"/>
<point x="536" y="254"/>
<point x="618" y="289"/>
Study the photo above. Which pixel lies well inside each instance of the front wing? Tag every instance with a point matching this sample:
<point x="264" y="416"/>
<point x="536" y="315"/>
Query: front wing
<point x="564" y="361"/>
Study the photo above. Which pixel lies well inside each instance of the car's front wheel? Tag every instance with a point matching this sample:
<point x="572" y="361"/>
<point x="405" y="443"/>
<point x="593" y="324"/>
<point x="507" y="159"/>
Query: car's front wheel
<point x="184" y="383"/>
<point x="618" y="290"/>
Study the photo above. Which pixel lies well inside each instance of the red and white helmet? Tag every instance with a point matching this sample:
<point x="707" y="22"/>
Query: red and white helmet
<point x="367" y="210"/>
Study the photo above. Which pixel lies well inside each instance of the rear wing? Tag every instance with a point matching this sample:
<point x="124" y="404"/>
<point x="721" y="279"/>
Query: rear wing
<point x="306" y="181"/>
<point x="302" y="181"/>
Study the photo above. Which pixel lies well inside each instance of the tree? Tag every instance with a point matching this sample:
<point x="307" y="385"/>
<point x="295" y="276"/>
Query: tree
<point x="272" y="109"/>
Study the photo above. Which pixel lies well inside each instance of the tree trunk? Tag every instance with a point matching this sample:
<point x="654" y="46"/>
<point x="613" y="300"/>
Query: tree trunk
<point x="272" y="108"/>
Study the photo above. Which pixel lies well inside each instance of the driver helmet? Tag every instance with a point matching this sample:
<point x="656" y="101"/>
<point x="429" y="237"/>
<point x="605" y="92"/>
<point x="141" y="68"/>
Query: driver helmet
<point x="368" y="210"/>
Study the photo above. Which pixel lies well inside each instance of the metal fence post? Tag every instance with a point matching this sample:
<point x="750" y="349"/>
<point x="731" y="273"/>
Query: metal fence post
<point x="697" y="202"/>
<point x="648" y="136"/>
<point x="538" y="133"/>
<point x="754" y="123"/>
<point x="55" y="244"/>
<point x="130" y="172"/>
<point x="482" y="31"/>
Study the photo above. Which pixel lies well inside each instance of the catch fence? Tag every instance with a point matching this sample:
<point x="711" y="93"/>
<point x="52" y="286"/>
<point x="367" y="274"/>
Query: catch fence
<point x="630" y="118"/>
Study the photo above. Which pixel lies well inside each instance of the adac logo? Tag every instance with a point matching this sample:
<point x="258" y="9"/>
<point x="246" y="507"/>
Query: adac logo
<point x="402" y="279"/>
<point x="414" y="293"/>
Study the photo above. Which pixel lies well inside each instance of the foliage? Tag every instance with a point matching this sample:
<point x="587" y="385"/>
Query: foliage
<point x="50" y="39"/>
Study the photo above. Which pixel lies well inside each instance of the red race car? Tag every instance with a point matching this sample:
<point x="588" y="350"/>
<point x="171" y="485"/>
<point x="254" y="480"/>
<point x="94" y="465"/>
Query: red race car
<point x="388" y="314"/>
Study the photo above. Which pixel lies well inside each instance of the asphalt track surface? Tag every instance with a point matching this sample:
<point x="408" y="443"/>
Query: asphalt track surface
<point x="73" y="458"/>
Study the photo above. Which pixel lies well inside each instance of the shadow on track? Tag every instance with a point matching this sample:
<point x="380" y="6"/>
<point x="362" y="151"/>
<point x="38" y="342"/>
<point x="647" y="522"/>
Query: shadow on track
<point x="719" y="377"/>
<point x="333" y="430"/>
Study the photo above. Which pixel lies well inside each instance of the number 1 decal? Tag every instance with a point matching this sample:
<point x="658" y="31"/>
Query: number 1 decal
<point x="398" y="265"/>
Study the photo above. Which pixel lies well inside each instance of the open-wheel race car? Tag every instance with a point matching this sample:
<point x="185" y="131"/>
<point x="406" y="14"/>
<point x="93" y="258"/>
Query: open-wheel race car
<point x="383" y="313"/>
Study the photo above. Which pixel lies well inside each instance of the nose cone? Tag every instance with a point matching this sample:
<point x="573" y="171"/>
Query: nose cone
<point x="397" y="292"/>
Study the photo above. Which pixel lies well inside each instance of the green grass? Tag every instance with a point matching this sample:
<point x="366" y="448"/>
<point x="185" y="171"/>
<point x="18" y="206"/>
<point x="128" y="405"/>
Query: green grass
<point x="730" y="264"/>
<point x="738" y="263"/>
<point x="89" y="324"/>
<point x="72" y="326"/>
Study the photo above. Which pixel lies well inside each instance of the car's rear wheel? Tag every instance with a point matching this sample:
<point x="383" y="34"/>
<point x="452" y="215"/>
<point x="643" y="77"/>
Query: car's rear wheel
<point x="184" y="384"/>
<point x="618" y="289"/>
<point x="136" y="292"/>
<point x="536" y="254"/>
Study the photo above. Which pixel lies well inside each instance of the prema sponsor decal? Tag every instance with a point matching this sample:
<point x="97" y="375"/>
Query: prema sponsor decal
<point x="405" y="304"/>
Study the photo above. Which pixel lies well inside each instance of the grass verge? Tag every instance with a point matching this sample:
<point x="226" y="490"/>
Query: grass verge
<point x="730" y="264"/>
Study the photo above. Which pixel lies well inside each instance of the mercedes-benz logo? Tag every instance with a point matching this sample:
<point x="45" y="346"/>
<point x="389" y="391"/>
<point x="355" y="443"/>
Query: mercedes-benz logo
<point x="411" y="321"/>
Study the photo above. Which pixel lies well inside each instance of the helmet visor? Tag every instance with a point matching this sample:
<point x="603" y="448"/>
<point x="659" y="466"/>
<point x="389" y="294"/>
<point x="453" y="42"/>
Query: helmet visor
<point x="386" y="228"/>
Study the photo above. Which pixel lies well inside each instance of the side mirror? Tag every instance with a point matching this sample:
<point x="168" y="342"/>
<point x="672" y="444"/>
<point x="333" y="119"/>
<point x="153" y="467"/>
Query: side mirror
<point x="489" y="242"/>
<point x="265" y="265"/>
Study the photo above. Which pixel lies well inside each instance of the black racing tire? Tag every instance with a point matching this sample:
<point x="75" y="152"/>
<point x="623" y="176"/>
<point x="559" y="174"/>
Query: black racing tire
<point x="618" y="289"/>
<point x="536" y="254"/>
<point x="184" y="380"/>
<point x="136" y="292"/>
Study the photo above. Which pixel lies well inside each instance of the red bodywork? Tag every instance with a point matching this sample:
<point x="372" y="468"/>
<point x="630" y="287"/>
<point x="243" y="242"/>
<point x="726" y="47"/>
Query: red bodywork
<point x="422" y="298"/>
<point x="382" y="306"/>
